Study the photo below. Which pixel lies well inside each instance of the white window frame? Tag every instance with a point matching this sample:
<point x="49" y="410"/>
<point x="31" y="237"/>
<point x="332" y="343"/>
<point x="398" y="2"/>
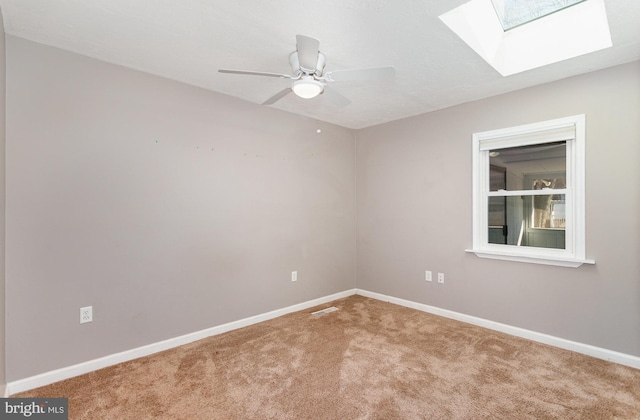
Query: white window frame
<point x="569" y="129"/>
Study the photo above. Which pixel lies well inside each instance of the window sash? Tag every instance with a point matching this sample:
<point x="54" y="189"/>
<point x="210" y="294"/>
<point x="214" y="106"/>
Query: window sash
<point x="508" y="193"/>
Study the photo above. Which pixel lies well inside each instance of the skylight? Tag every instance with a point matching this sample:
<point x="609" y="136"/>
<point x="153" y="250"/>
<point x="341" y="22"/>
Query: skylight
<point x="572" y="31"/>
<point x="513" y="13"/>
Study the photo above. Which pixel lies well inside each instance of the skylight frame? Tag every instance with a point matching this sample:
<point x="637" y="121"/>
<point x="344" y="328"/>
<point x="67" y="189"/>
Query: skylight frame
<point x="574" y="31"/>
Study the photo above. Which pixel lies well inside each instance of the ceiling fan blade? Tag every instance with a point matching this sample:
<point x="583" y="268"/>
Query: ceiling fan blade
<point x="374" y="73"/>
<point x="275" y="98"/>
<point x="335" y="98"/>
<point x="256" y="73"/>
<point x="308" y="49"/>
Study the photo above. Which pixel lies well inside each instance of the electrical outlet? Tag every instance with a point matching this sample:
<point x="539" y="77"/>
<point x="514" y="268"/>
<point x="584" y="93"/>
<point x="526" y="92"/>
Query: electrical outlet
<point x="86" y="314"/>
<point x="427" y="276"/>
<point x="440" y="277"/>
<point x="294" y="276"/>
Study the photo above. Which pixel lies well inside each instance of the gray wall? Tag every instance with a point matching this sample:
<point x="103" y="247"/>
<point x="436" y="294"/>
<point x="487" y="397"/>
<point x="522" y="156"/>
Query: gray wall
<point x="414" y="213"/>
<point x="2" y="202"/>
<point x="171" y="209"/>
<point x="168" y="208"/>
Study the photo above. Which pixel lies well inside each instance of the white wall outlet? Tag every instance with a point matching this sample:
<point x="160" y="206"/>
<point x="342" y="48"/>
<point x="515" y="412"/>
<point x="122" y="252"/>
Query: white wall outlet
<point x="294" y="276"/>
<point x="86" y="314"/>
<point x="440" y="277"/>
<point x="427" y="276"/>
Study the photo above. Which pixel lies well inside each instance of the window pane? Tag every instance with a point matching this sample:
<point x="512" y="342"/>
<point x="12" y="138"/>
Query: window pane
<point x="513" y="13"/>
<point x="505" y="219"/>
<point x="548" y="211"/>
<point x="547" y="182"/>
<point x="527" y="221"/>
<point x="497" y="177"/>
<point x="497" y="211"/>
<point x="533" y="167"/>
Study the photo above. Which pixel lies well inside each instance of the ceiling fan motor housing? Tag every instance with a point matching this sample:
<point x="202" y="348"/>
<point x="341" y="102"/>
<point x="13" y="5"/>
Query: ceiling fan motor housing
<point x="296" y="69"/>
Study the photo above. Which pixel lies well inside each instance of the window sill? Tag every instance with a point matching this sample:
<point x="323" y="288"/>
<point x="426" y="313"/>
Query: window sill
<point x="532" y="259"/>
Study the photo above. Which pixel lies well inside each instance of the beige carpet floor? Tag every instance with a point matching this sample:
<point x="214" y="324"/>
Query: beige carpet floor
<point x="368" y="360"/>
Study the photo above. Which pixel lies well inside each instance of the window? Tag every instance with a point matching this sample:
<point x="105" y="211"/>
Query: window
<point x="528" y="193"/>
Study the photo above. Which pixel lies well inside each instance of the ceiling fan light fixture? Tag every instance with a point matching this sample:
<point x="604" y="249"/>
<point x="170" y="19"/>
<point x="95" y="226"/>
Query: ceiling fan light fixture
<point x="307" y="88"/>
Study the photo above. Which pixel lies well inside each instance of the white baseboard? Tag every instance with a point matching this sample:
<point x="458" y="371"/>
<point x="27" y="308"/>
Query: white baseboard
<point x="92" y="365"/>
<point x="47" y="378"/>
<point x="587" y="349"/>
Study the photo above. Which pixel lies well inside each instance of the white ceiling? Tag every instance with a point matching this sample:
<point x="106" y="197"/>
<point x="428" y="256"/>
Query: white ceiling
<point x="189" y="40"/>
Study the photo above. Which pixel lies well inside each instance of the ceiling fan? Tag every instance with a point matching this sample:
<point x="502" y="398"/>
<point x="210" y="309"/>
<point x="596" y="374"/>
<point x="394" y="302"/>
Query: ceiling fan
<point x="309" y="80"/>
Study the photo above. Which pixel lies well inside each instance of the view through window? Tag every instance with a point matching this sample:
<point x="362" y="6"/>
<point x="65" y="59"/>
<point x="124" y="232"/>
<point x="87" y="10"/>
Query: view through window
<point x="513" y="13"/>
<point x="535" y="215"/>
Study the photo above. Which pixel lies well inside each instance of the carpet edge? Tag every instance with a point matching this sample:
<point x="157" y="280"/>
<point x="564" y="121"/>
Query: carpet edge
<point x="582" y="348"/>
<point x="47" y="378"/>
